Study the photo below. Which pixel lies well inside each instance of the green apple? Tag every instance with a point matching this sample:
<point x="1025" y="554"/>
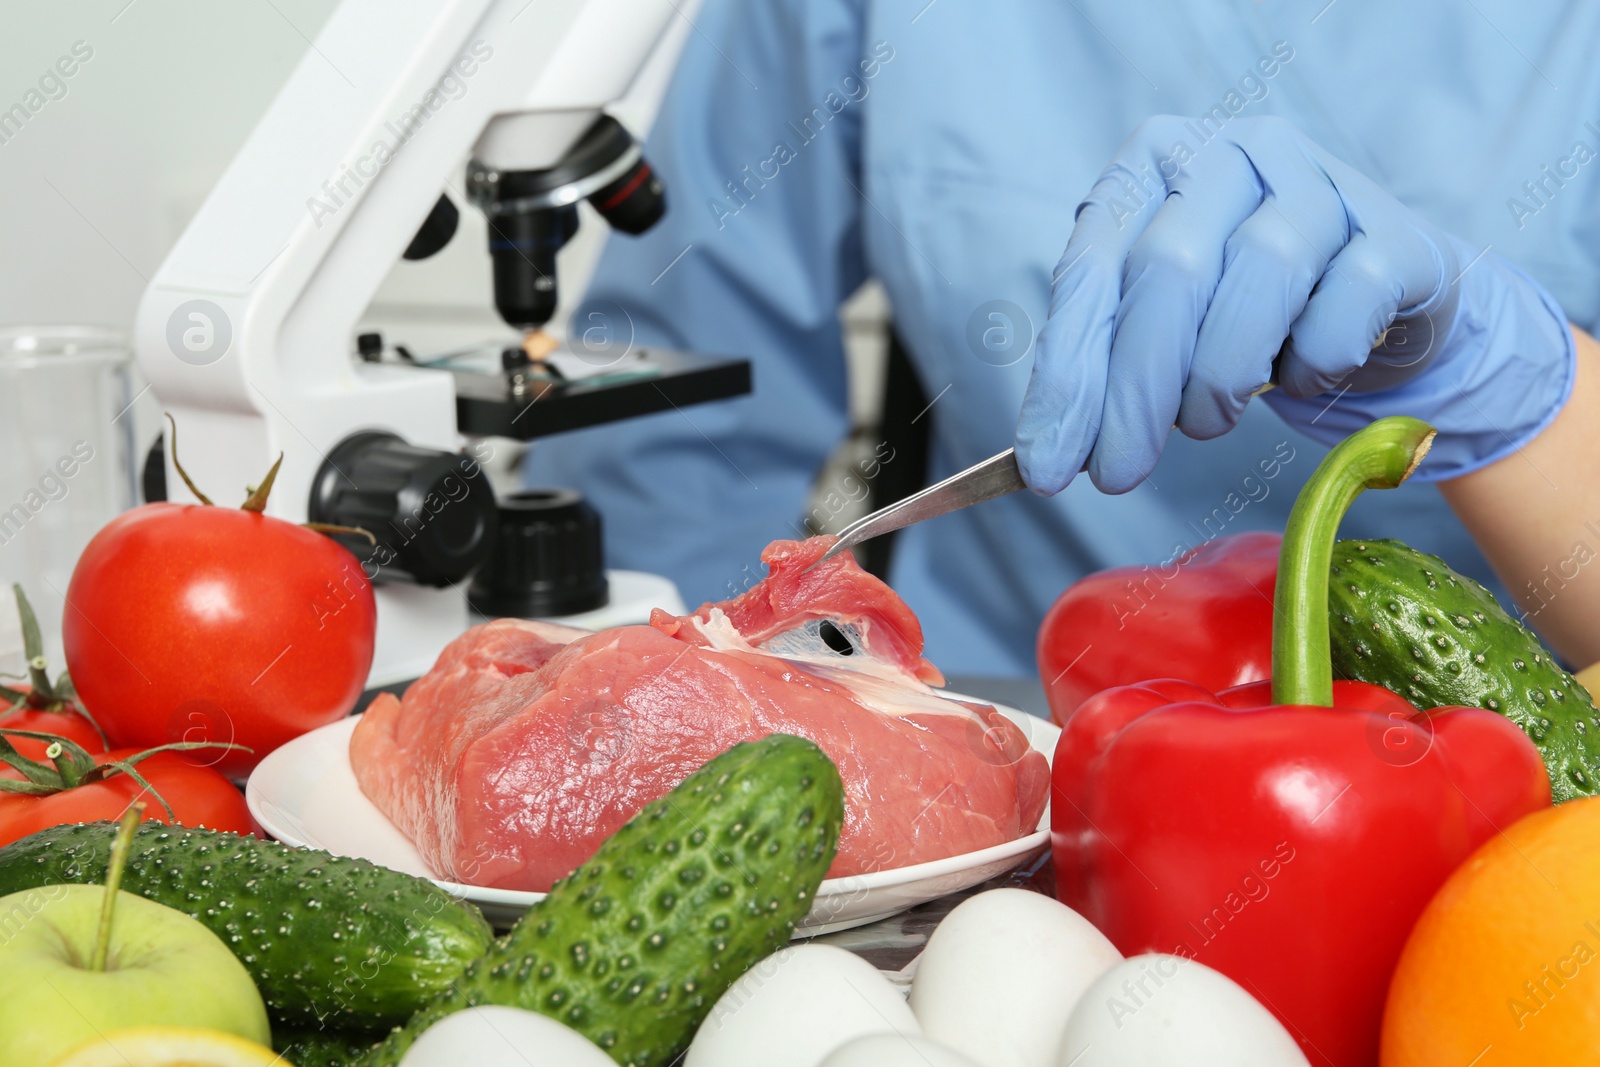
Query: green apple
<point x="162" y="968"/>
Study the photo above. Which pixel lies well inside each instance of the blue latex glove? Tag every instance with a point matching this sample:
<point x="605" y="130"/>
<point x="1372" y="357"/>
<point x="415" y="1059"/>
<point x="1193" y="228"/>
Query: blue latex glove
<point x="1186" y="276"/>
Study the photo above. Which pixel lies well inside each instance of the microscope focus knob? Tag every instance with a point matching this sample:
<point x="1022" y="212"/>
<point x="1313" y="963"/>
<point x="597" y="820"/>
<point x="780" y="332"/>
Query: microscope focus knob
<point x="548" y="559"/>
<point x="433" y="513"/>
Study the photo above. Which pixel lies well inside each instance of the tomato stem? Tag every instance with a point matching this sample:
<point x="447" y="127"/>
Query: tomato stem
<point x="257" y="500"/>
<point x="71" y="770"/>
<point x="256" y="496"/>
<point x="42" y="694"/>
<point x="198" y="495"/>
<point x="74" y="766"/>
<point x="120" y="847"/>
<point x="1379" y="456"/>
<point x="334" y="528"/>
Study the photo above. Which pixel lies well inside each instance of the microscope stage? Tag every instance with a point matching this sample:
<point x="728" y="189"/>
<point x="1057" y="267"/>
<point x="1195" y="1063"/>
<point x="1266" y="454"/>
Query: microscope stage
<point x="641" y="382"/>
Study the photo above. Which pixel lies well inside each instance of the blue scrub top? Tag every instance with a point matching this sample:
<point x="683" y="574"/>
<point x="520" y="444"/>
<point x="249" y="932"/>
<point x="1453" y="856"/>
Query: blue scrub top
<point x="942" y="146"/>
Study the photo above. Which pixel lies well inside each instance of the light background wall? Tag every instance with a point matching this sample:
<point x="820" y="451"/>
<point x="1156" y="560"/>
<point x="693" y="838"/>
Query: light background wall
<point x="97" y="186"/>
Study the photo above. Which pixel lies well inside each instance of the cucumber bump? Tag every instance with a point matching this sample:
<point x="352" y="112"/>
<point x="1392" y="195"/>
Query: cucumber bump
<point x="634" y="947"/>
<point x="1403" y="619"/>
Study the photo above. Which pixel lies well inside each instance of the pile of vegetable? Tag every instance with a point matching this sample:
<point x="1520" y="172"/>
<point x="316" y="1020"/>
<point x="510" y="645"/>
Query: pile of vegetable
<point x="1334" y="844"/>
<point x="1397" y="618"/>
<point x="630" y="951"/>
<point x="1291" y="811"/>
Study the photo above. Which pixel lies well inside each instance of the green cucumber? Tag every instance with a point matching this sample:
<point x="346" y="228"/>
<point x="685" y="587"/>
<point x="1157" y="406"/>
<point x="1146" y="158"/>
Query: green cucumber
<point x="634" y="947"/>
<point x="331" y="942"/>
<point x="322" y="1048"/>
<point x="1404" y="620"/>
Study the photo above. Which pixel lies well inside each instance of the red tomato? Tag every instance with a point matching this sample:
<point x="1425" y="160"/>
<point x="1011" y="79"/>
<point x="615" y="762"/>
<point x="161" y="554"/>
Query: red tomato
<point x="199" y="797"/>
<point x="189" y="622"/>
<point x="67" y="723"/>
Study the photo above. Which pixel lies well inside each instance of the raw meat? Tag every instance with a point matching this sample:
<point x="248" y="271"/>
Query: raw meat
<point x="528" y="744"/>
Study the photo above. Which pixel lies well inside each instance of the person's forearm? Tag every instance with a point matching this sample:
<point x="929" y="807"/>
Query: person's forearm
<point x="1536" y="516"/>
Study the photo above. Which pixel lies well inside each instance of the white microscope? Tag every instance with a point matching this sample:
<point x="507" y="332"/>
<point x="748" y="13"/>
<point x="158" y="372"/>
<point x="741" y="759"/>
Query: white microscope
<point x="246" y="332"/>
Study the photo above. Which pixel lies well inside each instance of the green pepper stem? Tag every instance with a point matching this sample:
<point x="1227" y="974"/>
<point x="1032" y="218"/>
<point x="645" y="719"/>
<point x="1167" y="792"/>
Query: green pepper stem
<point x="1379" y="456"/>
<point x="120" y="845"/>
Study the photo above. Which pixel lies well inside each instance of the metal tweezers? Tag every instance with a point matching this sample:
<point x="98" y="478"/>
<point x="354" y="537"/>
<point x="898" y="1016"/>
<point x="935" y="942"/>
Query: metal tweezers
<point x="995" y="476"/>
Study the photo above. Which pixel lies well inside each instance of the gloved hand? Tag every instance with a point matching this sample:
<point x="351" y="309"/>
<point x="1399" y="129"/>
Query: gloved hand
<point x="1187" y="275"/>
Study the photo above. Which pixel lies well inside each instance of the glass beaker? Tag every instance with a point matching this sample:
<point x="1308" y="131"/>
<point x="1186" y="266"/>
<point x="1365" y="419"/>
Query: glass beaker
<point x="66" y="464"/>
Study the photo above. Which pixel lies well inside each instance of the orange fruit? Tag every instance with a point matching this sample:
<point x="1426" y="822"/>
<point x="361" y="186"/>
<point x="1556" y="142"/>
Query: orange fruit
<point x="1503" y="968"/>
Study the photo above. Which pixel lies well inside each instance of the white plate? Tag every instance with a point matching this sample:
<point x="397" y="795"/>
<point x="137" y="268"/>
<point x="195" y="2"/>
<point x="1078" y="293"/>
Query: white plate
<point x="305" y="794"/>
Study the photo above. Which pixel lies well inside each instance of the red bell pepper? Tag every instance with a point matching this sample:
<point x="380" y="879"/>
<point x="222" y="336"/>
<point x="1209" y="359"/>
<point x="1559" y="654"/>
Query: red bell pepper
<point x="1206" y="616"/>
<point x="1287" y="834"/>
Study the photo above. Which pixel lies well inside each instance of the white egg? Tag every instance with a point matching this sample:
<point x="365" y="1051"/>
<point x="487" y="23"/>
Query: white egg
<point x="1001" y="974"/>
<point x="892" y="1050"/>
<point x="503" y="1037"/>
<point x="1166" y="1011"/>
<point x="795" y="1007"/>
